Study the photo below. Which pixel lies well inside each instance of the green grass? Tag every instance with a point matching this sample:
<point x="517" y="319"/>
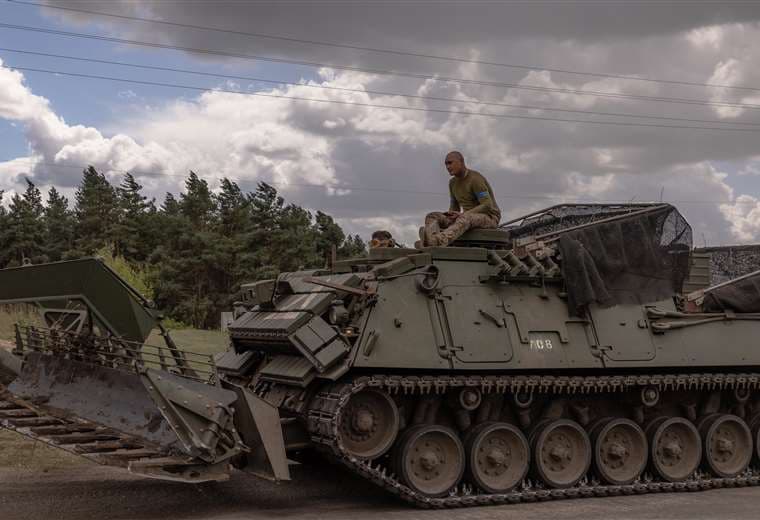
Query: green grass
<point x="10" y="315"/>
<point x="206" y="342"/>
<point x="200" y="341"/>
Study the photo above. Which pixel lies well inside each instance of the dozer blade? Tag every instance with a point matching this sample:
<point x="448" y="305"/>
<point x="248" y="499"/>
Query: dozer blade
<point x="108" y="397"/>
<point x="108" y="416"/>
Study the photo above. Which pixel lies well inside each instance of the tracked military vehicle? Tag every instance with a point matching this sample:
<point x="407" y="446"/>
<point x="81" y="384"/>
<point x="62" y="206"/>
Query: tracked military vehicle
<point x="555" y="357"/>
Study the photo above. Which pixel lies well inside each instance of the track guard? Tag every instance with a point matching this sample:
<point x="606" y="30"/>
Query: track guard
<point x="261" y="428"/>
<point x="200" y="415"/>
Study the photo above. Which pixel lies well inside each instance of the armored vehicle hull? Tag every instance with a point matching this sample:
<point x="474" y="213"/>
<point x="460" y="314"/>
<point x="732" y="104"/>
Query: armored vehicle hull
<point x="554" y="358"/>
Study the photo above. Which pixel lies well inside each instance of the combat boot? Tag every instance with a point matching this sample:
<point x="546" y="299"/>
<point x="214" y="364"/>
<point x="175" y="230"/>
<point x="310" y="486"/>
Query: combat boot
<point x="422" y="240"/>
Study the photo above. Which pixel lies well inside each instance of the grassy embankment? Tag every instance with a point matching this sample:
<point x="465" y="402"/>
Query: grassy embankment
<point x="18" y="452"/>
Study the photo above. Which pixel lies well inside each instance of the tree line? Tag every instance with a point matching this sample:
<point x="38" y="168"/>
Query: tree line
<point x="192" y="251"/>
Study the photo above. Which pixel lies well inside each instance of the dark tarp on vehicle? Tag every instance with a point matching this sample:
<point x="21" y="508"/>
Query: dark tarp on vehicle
<point x="741" y="295"/>
<point x="639" y="258"/>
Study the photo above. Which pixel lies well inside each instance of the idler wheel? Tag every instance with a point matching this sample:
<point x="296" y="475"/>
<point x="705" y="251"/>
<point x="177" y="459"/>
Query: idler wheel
<point x="675" y="447"/>
<point x="620" y="450"/>
<point x="429" y="459"/>
<point x="369" y="424"/>
<point x="561" y="452"/>
<point x="727" y="442"/>
<point x="498" y="456"/>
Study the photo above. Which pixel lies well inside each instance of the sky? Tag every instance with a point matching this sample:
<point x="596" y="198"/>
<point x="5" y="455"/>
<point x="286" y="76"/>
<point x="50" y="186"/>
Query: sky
<point x="340" y="149"/>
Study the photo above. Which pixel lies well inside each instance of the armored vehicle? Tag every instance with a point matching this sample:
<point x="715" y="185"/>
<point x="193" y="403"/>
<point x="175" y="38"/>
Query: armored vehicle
<point x="555" y="357"/>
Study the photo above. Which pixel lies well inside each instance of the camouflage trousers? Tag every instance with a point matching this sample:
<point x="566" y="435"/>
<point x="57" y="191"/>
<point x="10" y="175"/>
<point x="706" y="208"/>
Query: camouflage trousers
<point x="441" y="229"/>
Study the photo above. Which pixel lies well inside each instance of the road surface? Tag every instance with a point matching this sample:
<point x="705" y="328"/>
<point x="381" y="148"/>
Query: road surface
<point x="325" y="491"/>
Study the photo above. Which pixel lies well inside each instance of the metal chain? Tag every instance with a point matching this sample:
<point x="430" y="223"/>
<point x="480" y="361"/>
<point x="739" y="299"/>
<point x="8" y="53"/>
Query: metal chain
<point x="324" y="413"/>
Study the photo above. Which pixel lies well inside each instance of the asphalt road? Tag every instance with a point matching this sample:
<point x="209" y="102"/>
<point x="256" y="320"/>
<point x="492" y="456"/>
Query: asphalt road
<point x="324" y="491"/>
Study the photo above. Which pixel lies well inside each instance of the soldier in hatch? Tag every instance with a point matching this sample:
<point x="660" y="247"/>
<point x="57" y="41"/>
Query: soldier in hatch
<point x="382" y="238"/>
<point x="472" y="205"/>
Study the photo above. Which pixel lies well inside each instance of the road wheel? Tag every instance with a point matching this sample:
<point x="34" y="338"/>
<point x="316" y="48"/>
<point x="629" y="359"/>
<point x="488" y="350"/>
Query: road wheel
<point x="429" y="459"/>
<point x="369" y="424"/>
<point x="561" y="452"/>
<point x="620" y="450"/>
<point x="498" y="456"/>
<point x="675" y="447"/>
<point x="727" y="442"/>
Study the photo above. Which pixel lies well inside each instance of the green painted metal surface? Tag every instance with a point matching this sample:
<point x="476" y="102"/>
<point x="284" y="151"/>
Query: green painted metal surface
<point x="88" y="282"/>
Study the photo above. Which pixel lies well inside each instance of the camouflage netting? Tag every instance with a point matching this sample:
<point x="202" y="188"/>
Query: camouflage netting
<point x="740" y="296"/>
<point x="729" y="262"/>
<point x="637" y="259"/>
<point x="564" y="216"/>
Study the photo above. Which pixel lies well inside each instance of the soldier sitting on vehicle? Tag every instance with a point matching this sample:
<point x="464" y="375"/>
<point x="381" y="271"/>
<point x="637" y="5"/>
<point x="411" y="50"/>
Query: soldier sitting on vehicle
<point x="472" y="206"/>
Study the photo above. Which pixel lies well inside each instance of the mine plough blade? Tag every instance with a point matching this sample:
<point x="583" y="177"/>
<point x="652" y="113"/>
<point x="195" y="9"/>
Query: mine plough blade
<point x="88" y="383"/>
<point x="95" y="399"/>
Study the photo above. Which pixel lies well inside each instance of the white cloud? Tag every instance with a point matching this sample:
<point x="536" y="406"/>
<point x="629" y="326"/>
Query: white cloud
<point x="13" y="172"/>
<point x="17" y="102"/>
<point x="751" y="167"/>
<point x="729" y="73"/>
<point x="345" y="148"/>
<point x="744" y="217"/>
<point x="710" y="37"/>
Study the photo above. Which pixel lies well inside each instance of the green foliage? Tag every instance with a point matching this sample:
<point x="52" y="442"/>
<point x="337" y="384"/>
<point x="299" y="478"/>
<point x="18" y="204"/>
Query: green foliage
<point x="134" y="274"/>
<point x="24" y="228"/>
<point x="190" y="254"/>
<point x="132" y="232"/>
<point x="17" y="314"/>
<point x="96" y="212"/>
<point x="59" y="225"/>
<point x="171" y="324"/>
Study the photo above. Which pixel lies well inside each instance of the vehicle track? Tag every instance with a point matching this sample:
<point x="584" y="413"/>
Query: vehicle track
<point x="324" y="415"/>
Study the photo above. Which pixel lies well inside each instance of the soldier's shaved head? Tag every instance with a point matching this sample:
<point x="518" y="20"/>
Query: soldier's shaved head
<point x="455" y="163"/>
<point x="455" y="154"/>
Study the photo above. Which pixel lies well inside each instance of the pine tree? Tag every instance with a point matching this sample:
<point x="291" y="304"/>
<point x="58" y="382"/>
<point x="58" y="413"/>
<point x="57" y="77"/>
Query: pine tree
<point x="132" y="233"/>
<point x="329" y="235"/>
<point x="170" y="205"/>
<point x="265" y="212"/>
<point x="295" y="241"/>
<point x="233" y="208"/>
<point x="96" y="212"/>
<point x="352" y="247"/>
<point x="196" y="203"/>
<point x="59" y="225"/>
<point x="189" y="262"/>
<point x="266" y="207"/>
<point x="25" y="232"/>
<point x="233" y="219"/>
